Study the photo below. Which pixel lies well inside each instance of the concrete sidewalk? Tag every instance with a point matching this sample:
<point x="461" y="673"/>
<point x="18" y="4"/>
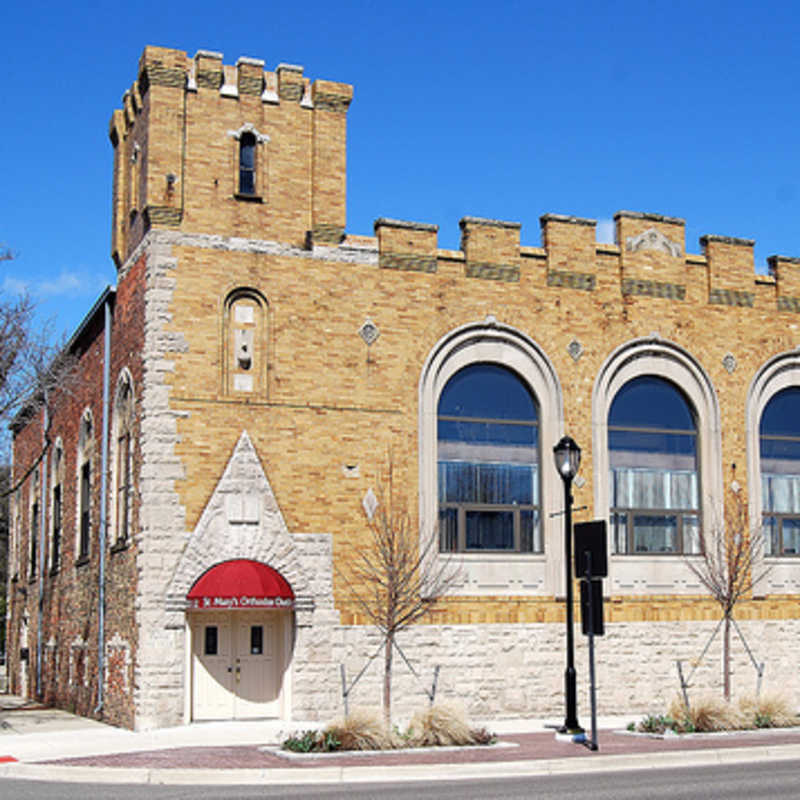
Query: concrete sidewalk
<point x="48" y="744"/>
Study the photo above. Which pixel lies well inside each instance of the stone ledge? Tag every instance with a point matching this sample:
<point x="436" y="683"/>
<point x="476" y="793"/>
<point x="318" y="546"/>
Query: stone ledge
<point x="567" y="219"/>
<point x="732" y="240"/>
<point x="401" y="223"/>
<point x="643" y="215"/>
<point x="494" y="223"/>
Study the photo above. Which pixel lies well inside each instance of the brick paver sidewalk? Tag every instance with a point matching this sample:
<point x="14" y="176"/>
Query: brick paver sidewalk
<point x="524" y="747"/>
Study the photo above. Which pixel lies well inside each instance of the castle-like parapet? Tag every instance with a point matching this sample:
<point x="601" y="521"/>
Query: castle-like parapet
<point x="647" y="261"/>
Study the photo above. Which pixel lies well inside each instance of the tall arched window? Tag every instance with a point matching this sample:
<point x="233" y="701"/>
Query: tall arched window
<point x="247" y="163"/>
<point x="55" y="511"/>
<point x="779" y="441"/>
<point x="122" y="459"/>
<point x="33" y="542"/>
<point x="85" y="454"/>
<point x="654" y="473"/>
<point x="244" y="336"/>
<point x="488" y="476"/>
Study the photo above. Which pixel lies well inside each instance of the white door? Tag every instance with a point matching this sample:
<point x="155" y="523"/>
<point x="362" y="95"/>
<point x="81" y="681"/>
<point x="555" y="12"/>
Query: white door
<point x="237" y="664"/>
<point x="212" y="686"/>
<point x="257" y="668"/>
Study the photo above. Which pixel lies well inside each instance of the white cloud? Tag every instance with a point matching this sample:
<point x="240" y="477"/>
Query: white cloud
<point x="68" y="283"/>
<point x="15" y="286"/>
<point x="605" y="231"/>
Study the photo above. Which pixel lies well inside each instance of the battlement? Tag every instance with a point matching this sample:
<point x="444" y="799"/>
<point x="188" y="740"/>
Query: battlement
<point x="647" y="259"/>
<point x="243" y="151"/>
<point x="178" y="143"/>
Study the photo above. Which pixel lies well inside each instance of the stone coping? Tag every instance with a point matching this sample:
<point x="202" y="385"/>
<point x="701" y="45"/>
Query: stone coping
<point x="292" y="755"/>
<point x="672" y="735"/>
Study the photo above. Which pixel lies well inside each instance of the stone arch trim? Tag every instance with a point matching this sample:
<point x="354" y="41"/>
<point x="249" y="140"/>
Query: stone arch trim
<point x="664" y="359"/>
<point x="123" y="413"/>
<point x="493" y="342"/>
<point x="260" y="329"/>
<point x="241" y="520"/>
<point x="780" y="372"/>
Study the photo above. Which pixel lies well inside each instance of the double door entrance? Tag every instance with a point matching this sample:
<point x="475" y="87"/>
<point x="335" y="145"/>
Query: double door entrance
<point x="238" y="663"/>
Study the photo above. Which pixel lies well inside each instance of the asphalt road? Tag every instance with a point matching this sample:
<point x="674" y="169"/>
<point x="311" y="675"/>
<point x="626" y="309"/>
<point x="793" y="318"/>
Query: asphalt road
<point x="771" y="779"/>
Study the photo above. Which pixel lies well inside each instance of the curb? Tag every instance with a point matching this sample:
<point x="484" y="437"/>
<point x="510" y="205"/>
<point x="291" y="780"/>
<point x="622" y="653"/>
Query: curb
<point x="381" y="774"/>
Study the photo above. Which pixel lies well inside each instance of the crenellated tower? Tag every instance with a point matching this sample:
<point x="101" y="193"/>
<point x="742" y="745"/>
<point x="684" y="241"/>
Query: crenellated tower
<point x="233" y="150"/>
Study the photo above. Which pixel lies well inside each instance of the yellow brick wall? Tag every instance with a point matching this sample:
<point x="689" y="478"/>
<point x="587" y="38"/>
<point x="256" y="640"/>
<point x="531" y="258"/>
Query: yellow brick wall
<point x="331" y="401"/>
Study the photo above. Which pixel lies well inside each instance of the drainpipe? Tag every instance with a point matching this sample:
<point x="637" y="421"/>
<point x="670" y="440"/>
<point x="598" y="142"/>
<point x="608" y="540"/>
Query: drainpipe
<point x="101" y="594"/>
<point x="42" y="554"/>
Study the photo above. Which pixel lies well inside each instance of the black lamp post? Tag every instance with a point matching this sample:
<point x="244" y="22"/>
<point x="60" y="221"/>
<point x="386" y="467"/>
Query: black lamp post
<point x="568" y="459"/>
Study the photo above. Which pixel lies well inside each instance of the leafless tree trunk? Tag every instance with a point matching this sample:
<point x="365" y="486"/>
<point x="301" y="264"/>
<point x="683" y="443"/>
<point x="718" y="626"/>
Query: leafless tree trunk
<point x="33" y="369"/>
<point x="395" y="579"/>
<point x="729" y="568"/>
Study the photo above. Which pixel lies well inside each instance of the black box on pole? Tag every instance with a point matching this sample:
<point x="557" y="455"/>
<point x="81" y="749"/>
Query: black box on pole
<point x="597" y="607"/>
<point x="591" y="537"/>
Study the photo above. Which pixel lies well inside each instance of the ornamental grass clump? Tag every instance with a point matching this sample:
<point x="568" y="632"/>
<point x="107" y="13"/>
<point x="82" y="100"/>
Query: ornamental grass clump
<point x="363" y="729"/>
<point x="444" y="725"/>
<point x="771" y="710"/>
<point x="705" y="715"/>
<point x="709" y="714"/>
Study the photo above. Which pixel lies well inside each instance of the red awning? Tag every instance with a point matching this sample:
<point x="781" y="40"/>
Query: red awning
<point x="241" y="584"/>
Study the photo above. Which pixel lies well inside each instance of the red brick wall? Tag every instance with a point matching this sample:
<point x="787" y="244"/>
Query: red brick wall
<point x="71" y="592"/>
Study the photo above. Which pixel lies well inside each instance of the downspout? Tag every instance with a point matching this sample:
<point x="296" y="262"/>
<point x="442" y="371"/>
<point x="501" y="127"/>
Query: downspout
<point x="101" y="593"/>
<point x="42" y="554"/>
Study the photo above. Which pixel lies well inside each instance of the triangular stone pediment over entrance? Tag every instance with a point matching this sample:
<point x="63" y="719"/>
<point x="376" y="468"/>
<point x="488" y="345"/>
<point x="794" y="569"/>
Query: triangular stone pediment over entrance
<point x="241" y="520"/>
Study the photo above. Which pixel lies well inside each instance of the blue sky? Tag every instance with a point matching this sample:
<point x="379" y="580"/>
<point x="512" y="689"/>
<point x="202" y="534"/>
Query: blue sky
<point x="507" y="110"/>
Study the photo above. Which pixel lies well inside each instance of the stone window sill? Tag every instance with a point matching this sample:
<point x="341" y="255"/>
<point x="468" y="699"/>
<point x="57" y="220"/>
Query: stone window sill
<point x="249" y="198"/>
<point x="82" y="561"/>
<point x="120" y="546"/>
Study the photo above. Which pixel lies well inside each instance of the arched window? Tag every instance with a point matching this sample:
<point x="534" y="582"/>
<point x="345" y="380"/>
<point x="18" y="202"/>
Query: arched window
<point x="244" y="362"/>
<point x="84" y="505"/>
<point x="779" y="443"/>
<point x="488" y="475"/>
<point x="56" y="509"/>
<point x="249" y="160"/>
<point x="654" y="475"/>
<point x="122" y="459"/>
<point x="247" y="163"/>
<point x="33" y="544"/>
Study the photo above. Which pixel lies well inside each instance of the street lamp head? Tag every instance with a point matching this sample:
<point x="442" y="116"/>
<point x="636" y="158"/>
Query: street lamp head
<point x="568" y="457"/>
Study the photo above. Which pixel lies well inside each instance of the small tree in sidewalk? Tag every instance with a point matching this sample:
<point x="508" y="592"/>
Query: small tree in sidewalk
<point x="730" y="567"/>
<point x="395" y="578"/>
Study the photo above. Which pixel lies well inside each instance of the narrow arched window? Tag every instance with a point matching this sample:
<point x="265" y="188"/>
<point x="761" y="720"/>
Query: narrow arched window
<point x="247" y="163"/>
<point x="245" y="343"/>
<point x="85" y="454"/>
<point x="56" y="515"/>
<point x="488" y="476"/>
<point x="652" y="442"/>
<point x="33" y="543"/>
<point x="122" y="444"/>
<point x="779" y="434"/>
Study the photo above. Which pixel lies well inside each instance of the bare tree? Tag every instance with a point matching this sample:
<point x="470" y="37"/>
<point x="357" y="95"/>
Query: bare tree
<point x="33" y="367"/>
<point x="395" y="579"/>
<point x="729" y="567"/>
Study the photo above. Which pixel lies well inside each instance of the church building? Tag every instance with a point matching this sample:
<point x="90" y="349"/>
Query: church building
<point x="189" y="506"/>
